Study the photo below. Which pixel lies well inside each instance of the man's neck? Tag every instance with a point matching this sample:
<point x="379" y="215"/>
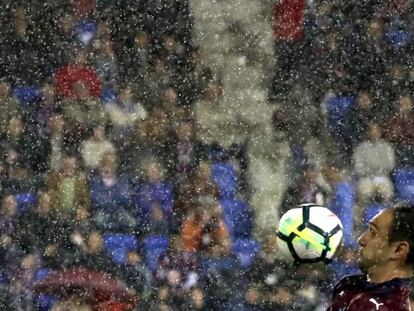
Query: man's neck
<point x="381" y="275"/>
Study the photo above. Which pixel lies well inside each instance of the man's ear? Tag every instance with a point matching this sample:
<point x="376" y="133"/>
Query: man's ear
<point x="401" y="250"/>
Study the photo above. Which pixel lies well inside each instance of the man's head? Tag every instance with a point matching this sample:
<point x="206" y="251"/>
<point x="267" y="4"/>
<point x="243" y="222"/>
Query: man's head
<point x="388" y="241"/>
<point x="374" y="132"/>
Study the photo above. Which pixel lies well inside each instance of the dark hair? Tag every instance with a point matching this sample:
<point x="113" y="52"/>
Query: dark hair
<point x="402" y="227"/>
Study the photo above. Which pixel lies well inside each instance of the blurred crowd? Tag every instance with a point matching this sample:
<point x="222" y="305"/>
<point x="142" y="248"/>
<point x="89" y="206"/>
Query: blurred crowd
<point x="109" y="129"/>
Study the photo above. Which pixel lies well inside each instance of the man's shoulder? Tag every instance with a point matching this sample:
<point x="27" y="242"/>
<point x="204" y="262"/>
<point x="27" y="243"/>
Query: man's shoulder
<point x="356" y="292"/>
<point x="350" y="281"/>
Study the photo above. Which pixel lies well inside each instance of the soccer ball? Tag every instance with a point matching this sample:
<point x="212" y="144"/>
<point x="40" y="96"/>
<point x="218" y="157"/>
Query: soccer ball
<point x="309" y="233"/>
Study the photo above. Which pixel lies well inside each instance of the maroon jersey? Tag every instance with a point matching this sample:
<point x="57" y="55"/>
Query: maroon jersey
<point x="355" y="293"/>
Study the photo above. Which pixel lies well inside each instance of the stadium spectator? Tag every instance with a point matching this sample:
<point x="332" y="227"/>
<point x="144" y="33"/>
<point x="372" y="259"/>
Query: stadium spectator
<point x="105" y="63"/>
<point x="69" y="190"/>
<point x="168" y="111"/>
<point x="94" y="148"/>
<point x="44" y="108"/>
<point x="9" y="107"/>
<point x="55" y="128"/>
<point x="212" y="122"/>
<point x="41" y="222"/>
<point x="78" y="69"/>
<point x="111" y="195"/>
<point x="374" y="160"/>
<point x="358" y="119"/>
<point x="124" y="113"/>
<point x="137" y="59"/>
<point x="81" y="114"/>
<point x="399" y="130"/>
<point x="154" y="201"/>
<point x="21" y="49"/>
<point x="159" y="78"/>
<point x="205" y="231"/>
<point x="184" y="152"/>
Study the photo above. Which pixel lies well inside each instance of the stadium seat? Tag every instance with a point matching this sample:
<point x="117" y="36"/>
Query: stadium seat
<point x="108" y="96"/>
<point x="85" y="31"/>
<point x="217" y="263"/>
<point x="225" y="178"/>
<point x="341" y="269"/>
<point x="404" y="184"/>
<point x="154" y="248"/>
<point x="25" y="201"/>
<point x="337" y="108"/>
<point x="41" y="274"/>
<point x="372" y="210"/>
<point x="26" y="95"/>
<point x="43" y="302"/>
<point x="118" y="245"/>
<point x="342" y="204"/>
<point x="237" y="217"/>
<point x="245" y="250"/>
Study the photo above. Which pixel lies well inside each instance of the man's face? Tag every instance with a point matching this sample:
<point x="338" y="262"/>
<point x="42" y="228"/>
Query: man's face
<point x="375" y="247"/>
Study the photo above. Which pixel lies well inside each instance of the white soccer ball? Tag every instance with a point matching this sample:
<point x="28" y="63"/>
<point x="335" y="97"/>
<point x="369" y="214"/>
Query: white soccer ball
<point x="309" y="233"/>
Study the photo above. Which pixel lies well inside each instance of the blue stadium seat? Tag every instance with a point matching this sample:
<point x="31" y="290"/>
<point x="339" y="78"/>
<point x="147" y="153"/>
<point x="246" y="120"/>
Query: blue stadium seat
<point x="341" y="269"/>
<point x="342" y="204"/>
<point x="43" y="302"/>
<point x="237" y="217"/>
<point x="27" y="95"/>
<point x="245" y="251"/>
<point x="154" y="248"/>
<point x="41" y="274"/>
<point x="404" y="184"/>
<point x="25" y="201"/>
<point x="371" y="210"/>
<point x="225" y="177"/>
<point x="217" y="263"/>
<point x="108" y="96"/>
<point x="337" y="110"/>
<point x="118" y="245"/>
<point x="86" y="30"/>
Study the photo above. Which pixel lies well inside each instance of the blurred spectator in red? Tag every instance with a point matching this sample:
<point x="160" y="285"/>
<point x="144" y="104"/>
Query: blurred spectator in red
<point x="400" y="131"/>
<point x="289" y="20"/>
<point x="83" y="8"/>
<point x="94" y="148"/>
<point x="76" y="70"/>
<point x="374" y="160"/>
<point x="288" y="25"/>
<point x="204" y="230"/>
<point x="69" y="190"/>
